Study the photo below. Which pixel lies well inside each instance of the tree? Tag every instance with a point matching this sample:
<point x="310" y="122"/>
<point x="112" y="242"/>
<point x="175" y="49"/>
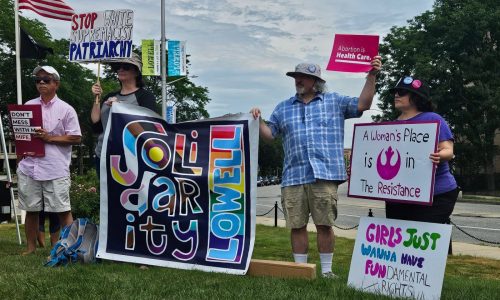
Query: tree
<point x="76" y="80"/>
<point x="189" y="99"/>
<point x="271" y="156"/>
<point x="454" y="47"/>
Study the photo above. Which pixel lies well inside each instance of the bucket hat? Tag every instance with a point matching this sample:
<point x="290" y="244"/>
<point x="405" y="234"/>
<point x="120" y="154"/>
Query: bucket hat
<point x="307" y="69"/>
<point x="133" y="60"/>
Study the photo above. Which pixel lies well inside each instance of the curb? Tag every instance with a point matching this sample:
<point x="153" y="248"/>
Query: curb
<point x="479" y="201"/>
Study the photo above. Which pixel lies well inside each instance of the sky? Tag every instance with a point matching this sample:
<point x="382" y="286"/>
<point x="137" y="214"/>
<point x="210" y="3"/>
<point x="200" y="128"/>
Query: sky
<point x="241" y="49"/>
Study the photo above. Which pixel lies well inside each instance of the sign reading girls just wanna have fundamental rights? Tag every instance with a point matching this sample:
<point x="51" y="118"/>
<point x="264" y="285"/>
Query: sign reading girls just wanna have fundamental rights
<point x="400" y="258"/>
<point x="353" y="53"/>
<point x="390" y="161"/>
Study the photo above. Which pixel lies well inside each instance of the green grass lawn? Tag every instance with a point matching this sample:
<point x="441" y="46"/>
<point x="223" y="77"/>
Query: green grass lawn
<point x="26" y="278"/>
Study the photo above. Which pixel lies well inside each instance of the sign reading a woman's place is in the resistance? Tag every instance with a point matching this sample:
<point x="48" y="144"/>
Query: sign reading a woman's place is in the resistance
<point x="390" y="161"/>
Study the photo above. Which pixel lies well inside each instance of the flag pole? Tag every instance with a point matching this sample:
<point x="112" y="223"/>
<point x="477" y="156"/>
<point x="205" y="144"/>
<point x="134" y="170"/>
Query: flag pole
<point x="19" y="100"/>
<point x="18" y="52"/>
<point x="163" y="64"/>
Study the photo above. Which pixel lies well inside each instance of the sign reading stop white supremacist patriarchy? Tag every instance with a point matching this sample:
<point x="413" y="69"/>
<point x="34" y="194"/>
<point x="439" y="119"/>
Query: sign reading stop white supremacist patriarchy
<point x="390" y="161"/>
<point x="178" y="195"/>
<point x="101" y="35"/>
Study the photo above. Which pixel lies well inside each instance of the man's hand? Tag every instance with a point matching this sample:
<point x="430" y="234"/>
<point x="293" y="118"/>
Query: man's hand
<point x="42" y="134"/>
<point x="57" y="139"/>
<point x="264" y="130"/>
<point x="376" y="64"/>
<point x="255" y="112"/>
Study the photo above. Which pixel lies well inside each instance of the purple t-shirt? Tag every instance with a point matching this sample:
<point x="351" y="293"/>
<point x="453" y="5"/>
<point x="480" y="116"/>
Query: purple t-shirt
<point x="444" y="181"/>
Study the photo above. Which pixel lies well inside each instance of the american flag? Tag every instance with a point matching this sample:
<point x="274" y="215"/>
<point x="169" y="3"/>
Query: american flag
<point x="55" y="9"/>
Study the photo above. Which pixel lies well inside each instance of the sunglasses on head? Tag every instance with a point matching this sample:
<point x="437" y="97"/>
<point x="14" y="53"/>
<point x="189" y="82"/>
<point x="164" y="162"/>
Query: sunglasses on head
<point x="126" y="67"/>
<point x="401" y="92"/>
<point x="45" y="79"/>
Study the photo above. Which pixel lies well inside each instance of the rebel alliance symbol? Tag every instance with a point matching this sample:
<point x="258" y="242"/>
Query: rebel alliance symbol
<point x="388" y="171"/>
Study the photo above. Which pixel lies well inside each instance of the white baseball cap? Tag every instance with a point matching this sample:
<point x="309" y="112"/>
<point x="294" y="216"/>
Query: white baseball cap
<point x="49" y="70"/>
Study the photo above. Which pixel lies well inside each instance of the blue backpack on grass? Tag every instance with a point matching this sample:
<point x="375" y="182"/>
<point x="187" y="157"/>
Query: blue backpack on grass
<point x="78" y="242"/>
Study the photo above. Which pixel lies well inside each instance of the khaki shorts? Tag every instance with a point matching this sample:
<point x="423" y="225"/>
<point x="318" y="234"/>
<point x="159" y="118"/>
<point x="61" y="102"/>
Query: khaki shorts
<point x="48" y="195"/>
<point x="318" y="199"/>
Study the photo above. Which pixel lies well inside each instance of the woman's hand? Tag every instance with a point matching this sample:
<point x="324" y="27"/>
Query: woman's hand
<point x="111" y="100"/>
<point x="445" y="152"/>
<point x="96" y="89"/>
<point x="434" y="157"/>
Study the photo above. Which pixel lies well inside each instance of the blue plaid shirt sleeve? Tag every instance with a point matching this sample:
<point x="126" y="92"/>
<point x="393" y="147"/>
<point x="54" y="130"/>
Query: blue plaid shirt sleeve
<point x="274" y="122"/>
<point x="349" y="105"/>
<point x="313" y="136"/>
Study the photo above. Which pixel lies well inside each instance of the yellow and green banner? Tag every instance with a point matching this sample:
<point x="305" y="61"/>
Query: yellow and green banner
<point x="150" y="58"/>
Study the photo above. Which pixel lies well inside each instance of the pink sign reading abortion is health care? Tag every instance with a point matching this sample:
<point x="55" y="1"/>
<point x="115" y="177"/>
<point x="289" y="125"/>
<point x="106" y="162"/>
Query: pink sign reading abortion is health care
<point x="353" y="53"/>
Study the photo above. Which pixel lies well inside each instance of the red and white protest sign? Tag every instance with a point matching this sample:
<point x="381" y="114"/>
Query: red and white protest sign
<point x="353" y="53"/>
<point x="24" y="120"/>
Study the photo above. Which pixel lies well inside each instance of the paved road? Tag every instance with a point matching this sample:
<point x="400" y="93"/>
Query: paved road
<point x="480" y="220"/>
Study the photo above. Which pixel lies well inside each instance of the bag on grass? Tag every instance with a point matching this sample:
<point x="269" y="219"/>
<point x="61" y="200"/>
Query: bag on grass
<point x="78" y="242"/>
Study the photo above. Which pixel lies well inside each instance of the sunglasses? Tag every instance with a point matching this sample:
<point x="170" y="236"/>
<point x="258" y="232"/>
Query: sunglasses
<point x="45" y="79"/>
<point x="125" y="67"/>
<point x="401" y="92"/>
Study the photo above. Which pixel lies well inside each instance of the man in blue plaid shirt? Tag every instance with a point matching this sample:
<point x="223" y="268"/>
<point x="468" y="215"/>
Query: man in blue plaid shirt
<point x="312" y="126"/>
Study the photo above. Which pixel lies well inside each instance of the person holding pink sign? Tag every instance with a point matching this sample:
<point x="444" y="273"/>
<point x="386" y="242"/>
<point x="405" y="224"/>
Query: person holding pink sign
<point x="412" y="100"/>
<point x="312" y="126"/>
<point x="44" y="182"/>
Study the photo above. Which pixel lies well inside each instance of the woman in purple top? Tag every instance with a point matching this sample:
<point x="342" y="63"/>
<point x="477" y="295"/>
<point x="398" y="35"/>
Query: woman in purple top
<point x="411" y="98"/>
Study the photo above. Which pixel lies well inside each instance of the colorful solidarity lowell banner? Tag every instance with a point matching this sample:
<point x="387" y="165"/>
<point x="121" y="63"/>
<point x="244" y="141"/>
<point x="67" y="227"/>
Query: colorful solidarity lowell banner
<point x="24" y="120"/>
<point x="353" y="53"/>
<point x="176" y="58"/>
<point x="178" y="195"/>
<point x="390" y="161"/>
<point x="101" y="35"/>
<point x="400" y="258"/>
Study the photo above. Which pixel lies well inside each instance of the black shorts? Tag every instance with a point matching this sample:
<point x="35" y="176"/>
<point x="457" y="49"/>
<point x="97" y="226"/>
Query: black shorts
<point x="439" y="212"/>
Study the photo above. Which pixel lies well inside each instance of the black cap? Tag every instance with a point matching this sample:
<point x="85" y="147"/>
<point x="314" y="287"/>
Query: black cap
<point x="413" y="85"/>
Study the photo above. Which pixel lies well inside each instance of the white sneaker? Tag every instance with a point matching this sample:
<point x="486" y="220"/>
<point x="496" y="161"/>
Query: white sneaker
<point x="329" y="275"/>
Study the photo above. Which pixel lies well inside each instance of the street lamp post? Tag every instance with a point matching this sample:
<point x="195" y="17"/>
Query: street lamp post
<point x="163" y="62"/>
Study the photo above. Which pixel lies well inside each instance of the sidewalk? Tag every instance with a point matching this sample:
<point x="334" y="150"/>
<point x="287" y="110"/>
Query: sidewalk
<point x="458" y="248"/>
